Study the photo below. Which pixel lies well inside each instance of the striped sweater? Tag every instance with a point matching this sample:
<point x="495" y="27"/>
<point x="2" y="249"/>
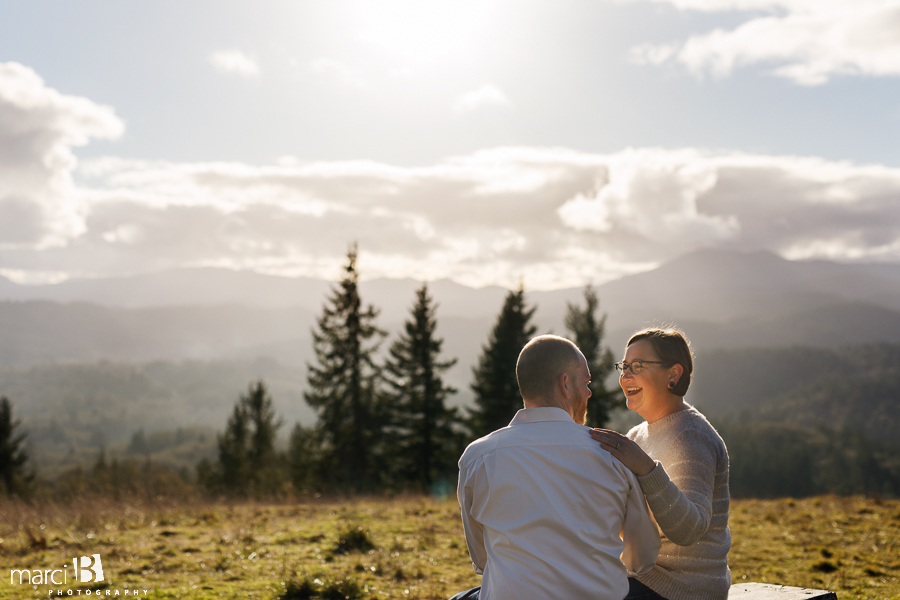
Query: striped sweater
<point x="688" y="495"/>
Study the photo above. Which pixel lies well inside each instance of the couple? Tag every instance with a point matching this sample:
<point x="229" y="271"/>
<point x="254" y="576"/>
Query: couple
<point x="553" y="510"/>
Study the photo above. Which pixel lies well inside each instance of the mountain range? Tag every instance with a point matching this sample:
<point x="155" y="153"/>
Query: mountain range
<point x="721" y="299"/>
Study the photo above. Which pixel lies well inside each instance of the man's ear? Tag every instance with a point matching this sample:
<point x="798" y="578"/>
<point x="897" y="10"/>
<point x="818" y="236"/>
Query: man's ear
<point x="565" y="383"/>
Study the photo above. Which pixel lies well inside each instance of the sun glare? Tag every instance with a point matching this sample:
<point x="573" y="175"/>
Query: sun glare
<point x="420" y="31"/>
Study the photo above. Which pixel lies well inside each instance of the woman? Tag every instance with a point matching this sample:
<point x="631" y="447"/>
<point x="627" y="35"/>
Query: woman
<point x="682" y="466"/>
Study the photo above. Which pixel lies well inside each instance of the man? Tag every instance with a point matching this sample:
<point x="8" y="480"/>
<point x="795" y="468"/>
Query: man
<point x="542" y="504"/>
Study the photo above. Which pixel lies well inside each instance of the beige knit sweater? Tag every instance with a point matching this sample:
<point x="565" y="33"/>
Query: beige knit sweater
<point x="688" y="495"/>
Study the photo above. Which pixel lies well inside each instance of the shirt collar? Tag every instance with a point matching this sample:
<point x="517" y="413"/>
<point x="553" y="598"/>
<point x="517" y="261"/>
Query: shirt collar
<point x="540" y="414"/>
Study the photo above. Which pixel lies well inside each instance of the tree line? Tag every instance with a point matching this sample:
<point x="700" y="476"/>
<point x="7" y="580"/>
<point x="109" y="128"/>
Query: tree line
<point x="383" y="422"/>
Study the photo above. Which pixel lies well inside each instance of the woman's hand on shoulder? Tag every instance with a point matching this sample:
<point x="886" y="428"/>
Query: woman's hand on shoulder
<point x="626" y="451"/>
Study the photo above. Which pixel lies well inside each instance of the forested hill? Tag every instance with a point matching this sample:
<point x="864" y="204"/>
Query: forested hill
<point x="855" y="388"/>
<point x="805" y="421"/>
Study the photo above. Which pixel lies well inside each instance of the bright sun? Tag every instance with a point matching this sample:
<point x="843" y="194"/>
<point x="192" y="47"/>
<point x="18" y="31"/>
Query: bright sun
<point x="424" y="31"/>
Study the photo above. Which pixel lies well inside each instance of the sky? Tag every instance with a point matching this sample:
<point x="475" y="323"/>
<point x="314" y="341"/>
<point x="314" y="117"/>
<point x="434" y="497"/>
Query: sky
<point x="493" y="142"/>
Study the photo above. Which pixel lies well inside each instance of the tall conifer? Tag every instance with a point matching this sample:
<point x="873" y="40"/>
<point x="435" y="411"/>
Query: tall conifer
<point x="497" y="396"/>
<point x="343" y="386"/>
<point x="13" y="457"/>
<point x="247" y="457"/>
<point x="232" y="467"/>
<point x="425" y="444"/>
<point x="588" y="331"/>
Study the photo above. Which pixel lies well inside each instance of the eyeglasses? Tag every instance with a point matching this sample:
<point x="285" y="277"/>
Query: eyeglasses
<point x="636" y="366"/>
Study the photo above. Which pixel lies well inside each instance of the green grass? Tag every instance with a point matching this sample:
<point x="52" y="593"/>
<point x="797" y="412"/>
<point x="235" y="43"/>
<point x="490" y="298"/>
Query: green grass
<point x="407" y="547"/>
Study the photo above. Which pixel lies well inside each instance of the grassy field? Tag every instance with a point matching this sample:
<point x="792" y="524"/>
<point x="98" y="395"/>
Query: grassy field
<point x="409" y="547"/>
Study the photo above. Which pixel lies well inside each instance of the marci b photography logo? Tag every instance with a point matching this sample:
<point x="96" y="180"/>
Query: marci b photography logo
<point x="85" y="569"/>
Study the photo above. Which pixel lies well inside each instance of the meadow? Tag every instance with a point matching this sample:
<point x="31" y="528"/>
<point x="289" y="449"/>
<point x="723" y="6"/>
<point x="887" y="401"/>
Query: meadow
<point x="407" y="547"/>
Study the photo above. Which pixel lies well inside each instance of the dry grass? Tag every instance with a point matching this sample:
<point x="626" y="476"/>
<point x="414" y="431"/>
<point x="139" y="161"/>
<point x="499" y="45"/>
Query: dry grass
<point x="850" y="545"/>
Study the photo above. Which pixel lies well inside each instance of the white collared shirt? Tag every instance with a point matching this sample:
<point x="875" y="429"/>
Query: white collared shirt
<point x="543" y="506"/>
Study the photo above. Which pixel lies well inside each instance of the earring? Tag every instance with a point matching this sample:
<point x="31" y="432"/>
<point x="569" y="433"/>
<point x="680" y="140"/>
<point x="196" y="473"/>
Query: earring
<point x="671" y="385"/>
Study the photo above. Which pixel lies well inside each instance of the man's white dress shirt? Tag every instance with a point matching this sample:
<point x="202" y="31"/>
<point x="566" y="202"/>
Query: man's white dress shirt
<point x="543" y="506"/>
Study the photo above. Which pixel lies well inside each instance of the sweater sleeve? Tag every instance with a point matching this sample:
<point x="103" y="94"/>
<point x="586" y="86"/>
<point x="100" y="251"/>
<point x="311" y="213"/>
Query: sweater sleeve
<point x="680" y="493"/>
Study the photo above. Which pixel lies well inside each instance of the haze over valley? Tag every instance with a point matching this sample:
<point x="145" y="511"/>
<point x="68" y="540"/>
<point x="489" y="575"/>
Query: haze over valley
<point x="91" y="362"/>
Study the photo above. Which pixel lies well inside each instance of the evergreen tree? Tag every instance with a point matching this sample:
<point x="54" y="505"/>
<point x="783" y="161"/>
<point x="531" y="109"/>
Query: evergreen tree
<point x="13" y="457"/>
<point x="263" y="462"/>
<point x="261" y="416"/>
<point x="497" y="396"/>
<point x="343" y="386"/>
<point x="588" y="331"/>
<point x="233" y="469"/>
<point x="303" y="458"/>
<point x="247" y="457"/>
<point x="425" y="445"/>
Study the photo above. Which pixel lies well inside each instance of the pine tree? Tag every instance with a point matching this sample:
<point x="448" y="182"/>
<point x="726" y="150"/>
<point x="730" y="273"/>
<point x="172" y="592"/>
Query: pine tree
<point x="13" y="457"/>
<point x="343" y="386"/>
<point x="425" y="444"/>
<point x="588" y="332"/>
<point x="247" y="457"/>
<point x="497" y="396"/>
<point x="263" y="462"/>
<point x="264" y="424"/>
<point x="304" y="458"/>
<point x="232" y="467"/>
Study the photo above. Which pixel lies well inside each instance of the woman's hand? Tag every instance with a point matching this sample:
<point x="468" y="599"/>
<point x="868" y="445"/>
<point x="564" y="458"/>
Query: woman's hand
<point x="628" y="453"/>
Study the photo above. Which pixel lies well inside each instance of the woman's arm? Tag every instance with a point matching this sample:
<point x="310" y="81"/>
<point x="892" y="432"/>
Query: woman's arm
<point x="679" y="494"/>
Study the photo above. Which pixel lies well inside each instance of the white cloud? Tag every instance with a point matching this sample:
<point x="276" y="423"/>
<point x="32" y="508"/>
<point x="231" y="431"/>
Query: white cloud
<point x="486" y="95"/>
<point x="809" y="41"/>
<point x="492" y="216"/>
<point x="39" y="204"/>
<point x="337" y="71"/>
<point x="234" y="61"/>
<point x="553" y="216"/>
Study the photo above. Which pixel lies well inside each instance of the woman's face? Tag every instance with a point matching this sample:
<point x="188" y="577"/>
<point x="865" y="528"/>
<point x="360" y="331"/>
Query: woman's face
<point x="647" y="391"/>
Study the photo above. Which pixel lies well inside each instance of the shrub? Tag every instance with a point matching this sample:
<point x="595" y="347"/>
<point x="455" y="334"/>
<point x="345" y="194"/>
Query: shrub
<point x="353" y="539"/>
<point x="340" y="589"/>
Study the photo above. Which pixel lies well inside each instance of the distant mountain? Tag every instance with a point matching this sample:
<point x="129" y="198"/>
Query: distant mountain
<point x="707" y="285"/>
<point x="721" y="286"/>
<point x="39" y="331"/>
<point x="722" y="299"/>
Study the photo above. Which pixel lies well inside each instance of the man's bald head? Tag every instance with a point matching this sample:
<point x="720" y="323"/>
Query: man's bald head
<point x="541" y="363"/>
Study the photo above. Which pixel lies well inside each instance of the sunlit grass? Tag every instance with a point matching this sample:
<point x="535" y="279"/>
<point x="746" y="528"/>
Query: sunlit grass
<point x="850" y="545"/>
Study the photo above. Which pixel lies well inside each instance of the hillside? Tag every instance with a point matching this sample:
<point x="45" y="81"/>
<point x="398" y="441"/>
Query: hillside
<point x="72" y="411"/>
<point x="855" y="388"/>
<point x="723" y="300"/>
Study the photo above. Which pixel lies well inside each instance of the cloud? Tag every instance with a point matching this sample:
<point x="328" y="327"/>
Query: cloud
<point x="39" y="205"/>
<point x="809" y="41"/>
<point x="552" y="217"/>
<point x="234" y="61"/>
<point x="485" y="96"/>
<point x="337" y="71"/>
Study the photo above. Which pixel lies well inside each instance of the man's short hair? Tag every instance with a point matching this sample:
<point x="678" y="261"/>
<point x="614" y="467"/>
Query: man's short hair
<point x="541" y="362"/>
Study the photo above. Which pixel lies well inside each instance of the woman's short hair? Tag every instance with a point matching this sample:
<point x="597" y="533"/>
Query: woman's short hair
<point x="673" y="348"/>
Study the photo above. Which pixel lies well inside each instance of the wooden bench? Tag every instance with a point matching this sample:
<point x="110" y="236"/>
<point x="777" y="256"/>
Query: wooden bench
<point x="766" y="591"/>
